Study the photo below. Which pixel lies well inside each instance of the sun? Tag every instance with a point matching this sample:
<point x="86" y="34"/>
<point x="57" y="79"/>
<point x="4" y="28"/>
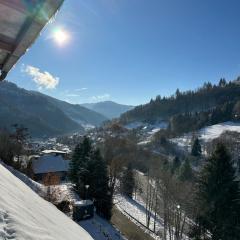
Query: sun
<point x="61" y="37"/>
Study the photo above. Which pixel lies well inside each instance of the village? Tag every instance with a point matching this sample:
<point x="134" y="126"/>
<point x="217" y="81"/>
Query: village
<point x="46" y="165"/>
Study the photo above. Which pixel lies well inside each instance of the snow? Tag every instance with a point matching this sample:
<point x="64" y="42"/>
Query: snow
<point x="83" y="203"/>
<point x="135" y="210"/>
<point x="214" y="131"/>
<point x="35" y="186"/>
<point x="26" y="216"/>
<point x="50" y="163"/>
<point x="147" y="130"/>
<point x="87" y="126"/>
<point x="144" y="142"/>
<point x="100" y="229"/>
<point x="53" y="152"/>
<point x="146" y="126"/>
<point x="207" y="134"/>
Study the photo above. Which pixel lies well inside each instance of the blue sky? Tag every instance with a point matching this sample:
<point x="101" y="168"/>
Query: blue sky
<point x="129" y="51"/>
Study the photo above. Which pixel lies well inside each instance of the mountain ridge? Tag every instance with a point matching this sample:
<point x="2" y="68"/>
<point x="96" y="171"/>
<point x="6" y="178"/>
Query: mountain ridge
<point x="41" y="114"/>
<point x="109" y="109"/>
<point x="202" y="99"/>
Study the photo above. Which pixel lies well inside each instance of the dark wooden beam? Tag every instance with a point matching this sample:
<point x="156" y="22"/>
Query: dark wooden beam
<point x="3" y="75"/>
<point x="20" y="5"/>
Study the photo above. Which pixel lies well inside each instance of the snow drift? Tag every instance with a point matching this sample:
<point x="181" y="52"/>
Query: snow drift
<point x="26" y="216"/>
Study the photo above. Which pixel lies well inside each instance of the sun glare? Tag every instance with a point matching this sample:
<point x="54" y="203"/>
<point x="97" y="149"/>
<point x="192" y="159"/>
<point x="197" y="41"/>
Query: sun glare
<point x="61" y="37"/>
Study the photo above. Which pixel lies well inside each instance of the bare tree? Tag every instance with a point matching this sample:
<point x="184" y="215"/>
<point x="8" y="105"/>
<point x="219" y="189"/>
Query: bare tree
<point x="176" y="197"/>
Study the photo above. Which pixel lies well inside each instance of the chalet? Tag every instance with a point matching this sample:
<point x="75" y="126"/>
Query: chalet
<point x="51" y="165"/>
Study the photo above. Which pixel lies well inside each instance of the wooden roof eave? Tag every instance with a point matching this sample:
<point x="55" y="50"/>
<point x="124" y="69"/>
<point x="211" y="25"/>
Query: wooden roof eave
<point x="29" y="32"/>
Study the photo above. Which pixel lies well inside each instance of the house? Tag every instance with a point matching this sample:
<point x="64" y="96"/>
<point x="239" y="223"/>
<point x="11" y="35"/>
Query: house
<point x="50" y="168"/>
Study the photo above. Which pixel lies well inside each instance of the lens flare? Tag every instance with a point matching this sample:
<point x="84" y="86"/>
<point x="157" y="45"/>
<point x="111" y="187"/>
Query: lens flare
<point x="61" y="36"/>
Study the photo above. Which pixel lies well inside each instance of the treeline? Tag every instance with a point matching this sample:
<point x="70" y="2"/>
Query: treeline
<point x="207" y="97"/>
<point x="183" y="123"/>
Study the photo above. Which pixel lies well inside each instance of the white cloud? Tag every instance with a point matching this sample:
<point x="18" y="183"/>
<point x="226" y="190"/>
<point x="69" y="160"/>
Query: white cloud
<point x="42" y="78"/>
<point x="101" y="97"/>
<point x="81" y="89"/>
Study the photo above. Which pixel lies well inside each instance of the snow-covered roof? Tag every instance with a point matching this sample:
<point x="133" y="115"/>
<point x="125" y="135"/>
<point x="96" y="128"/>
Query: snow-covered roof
<point x="49" y="163"/>
<point x="25" y="215"/>
<point x="20" y="24"/>
<point x="53" y="151"/>
<point x="83" y="203"/>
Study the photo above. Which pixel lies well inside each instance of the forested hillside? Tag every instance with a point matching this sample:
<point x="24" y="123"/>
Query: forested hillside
<point x="41" y="114"/>
<point x="204" y="98"/>
<point x="190" y="110"/>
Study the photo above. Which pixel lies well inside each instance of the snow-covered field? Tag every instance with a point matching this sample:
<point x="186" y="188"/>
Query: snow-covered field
<point x="136" y="209"/>
<point x="214" y="131"/>
<point x="26" y="216"/>
<point x="207" y="134"/>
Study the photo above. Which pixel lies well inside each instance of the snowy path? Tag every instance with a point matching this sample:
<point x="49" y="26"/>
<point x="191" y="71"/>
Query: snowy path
<point x="136" y="212"/>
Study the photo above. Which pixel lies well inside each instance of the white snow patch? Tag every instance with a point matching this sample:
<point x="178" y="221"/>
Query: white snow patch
<point x="100" y="229"/>
<point x="207" y="134"/>
<point x="214" y="131"/>
<point x="144" y="142"/>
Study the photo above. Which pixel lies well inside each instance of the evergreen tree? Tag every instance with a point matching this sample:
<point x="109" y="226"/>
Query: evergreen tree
<point x="176" y="164"/>
<point x="222" y="82"/>
<point x="99" y="188"/>
<point x="78" y="169"/>
<point x="196" y="148"/>
<point x="218" y="198"/>
<point x="186" y="173"/>
<point x="88" y="168"/>
<point x="128" y="183"/>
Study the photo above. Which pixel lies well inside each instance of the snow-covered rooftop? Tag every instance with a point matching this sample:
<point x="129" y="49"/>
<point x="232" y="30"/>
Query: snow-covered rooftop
<point x="24" y="215"/>
<point x="53" y="152"/>
<point x="83" y="203"/>
<point x="49" y="163"/>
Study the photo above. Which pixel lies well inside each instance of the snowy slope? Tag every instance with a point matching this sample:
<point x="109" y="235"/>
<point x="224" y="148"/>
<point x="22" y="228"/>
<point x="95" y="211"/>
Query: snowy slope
<point x="214" y="131"/>
<point x="35" y="186"/>
<point x="26" y="216"/>
<point x="207" y="134"/>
